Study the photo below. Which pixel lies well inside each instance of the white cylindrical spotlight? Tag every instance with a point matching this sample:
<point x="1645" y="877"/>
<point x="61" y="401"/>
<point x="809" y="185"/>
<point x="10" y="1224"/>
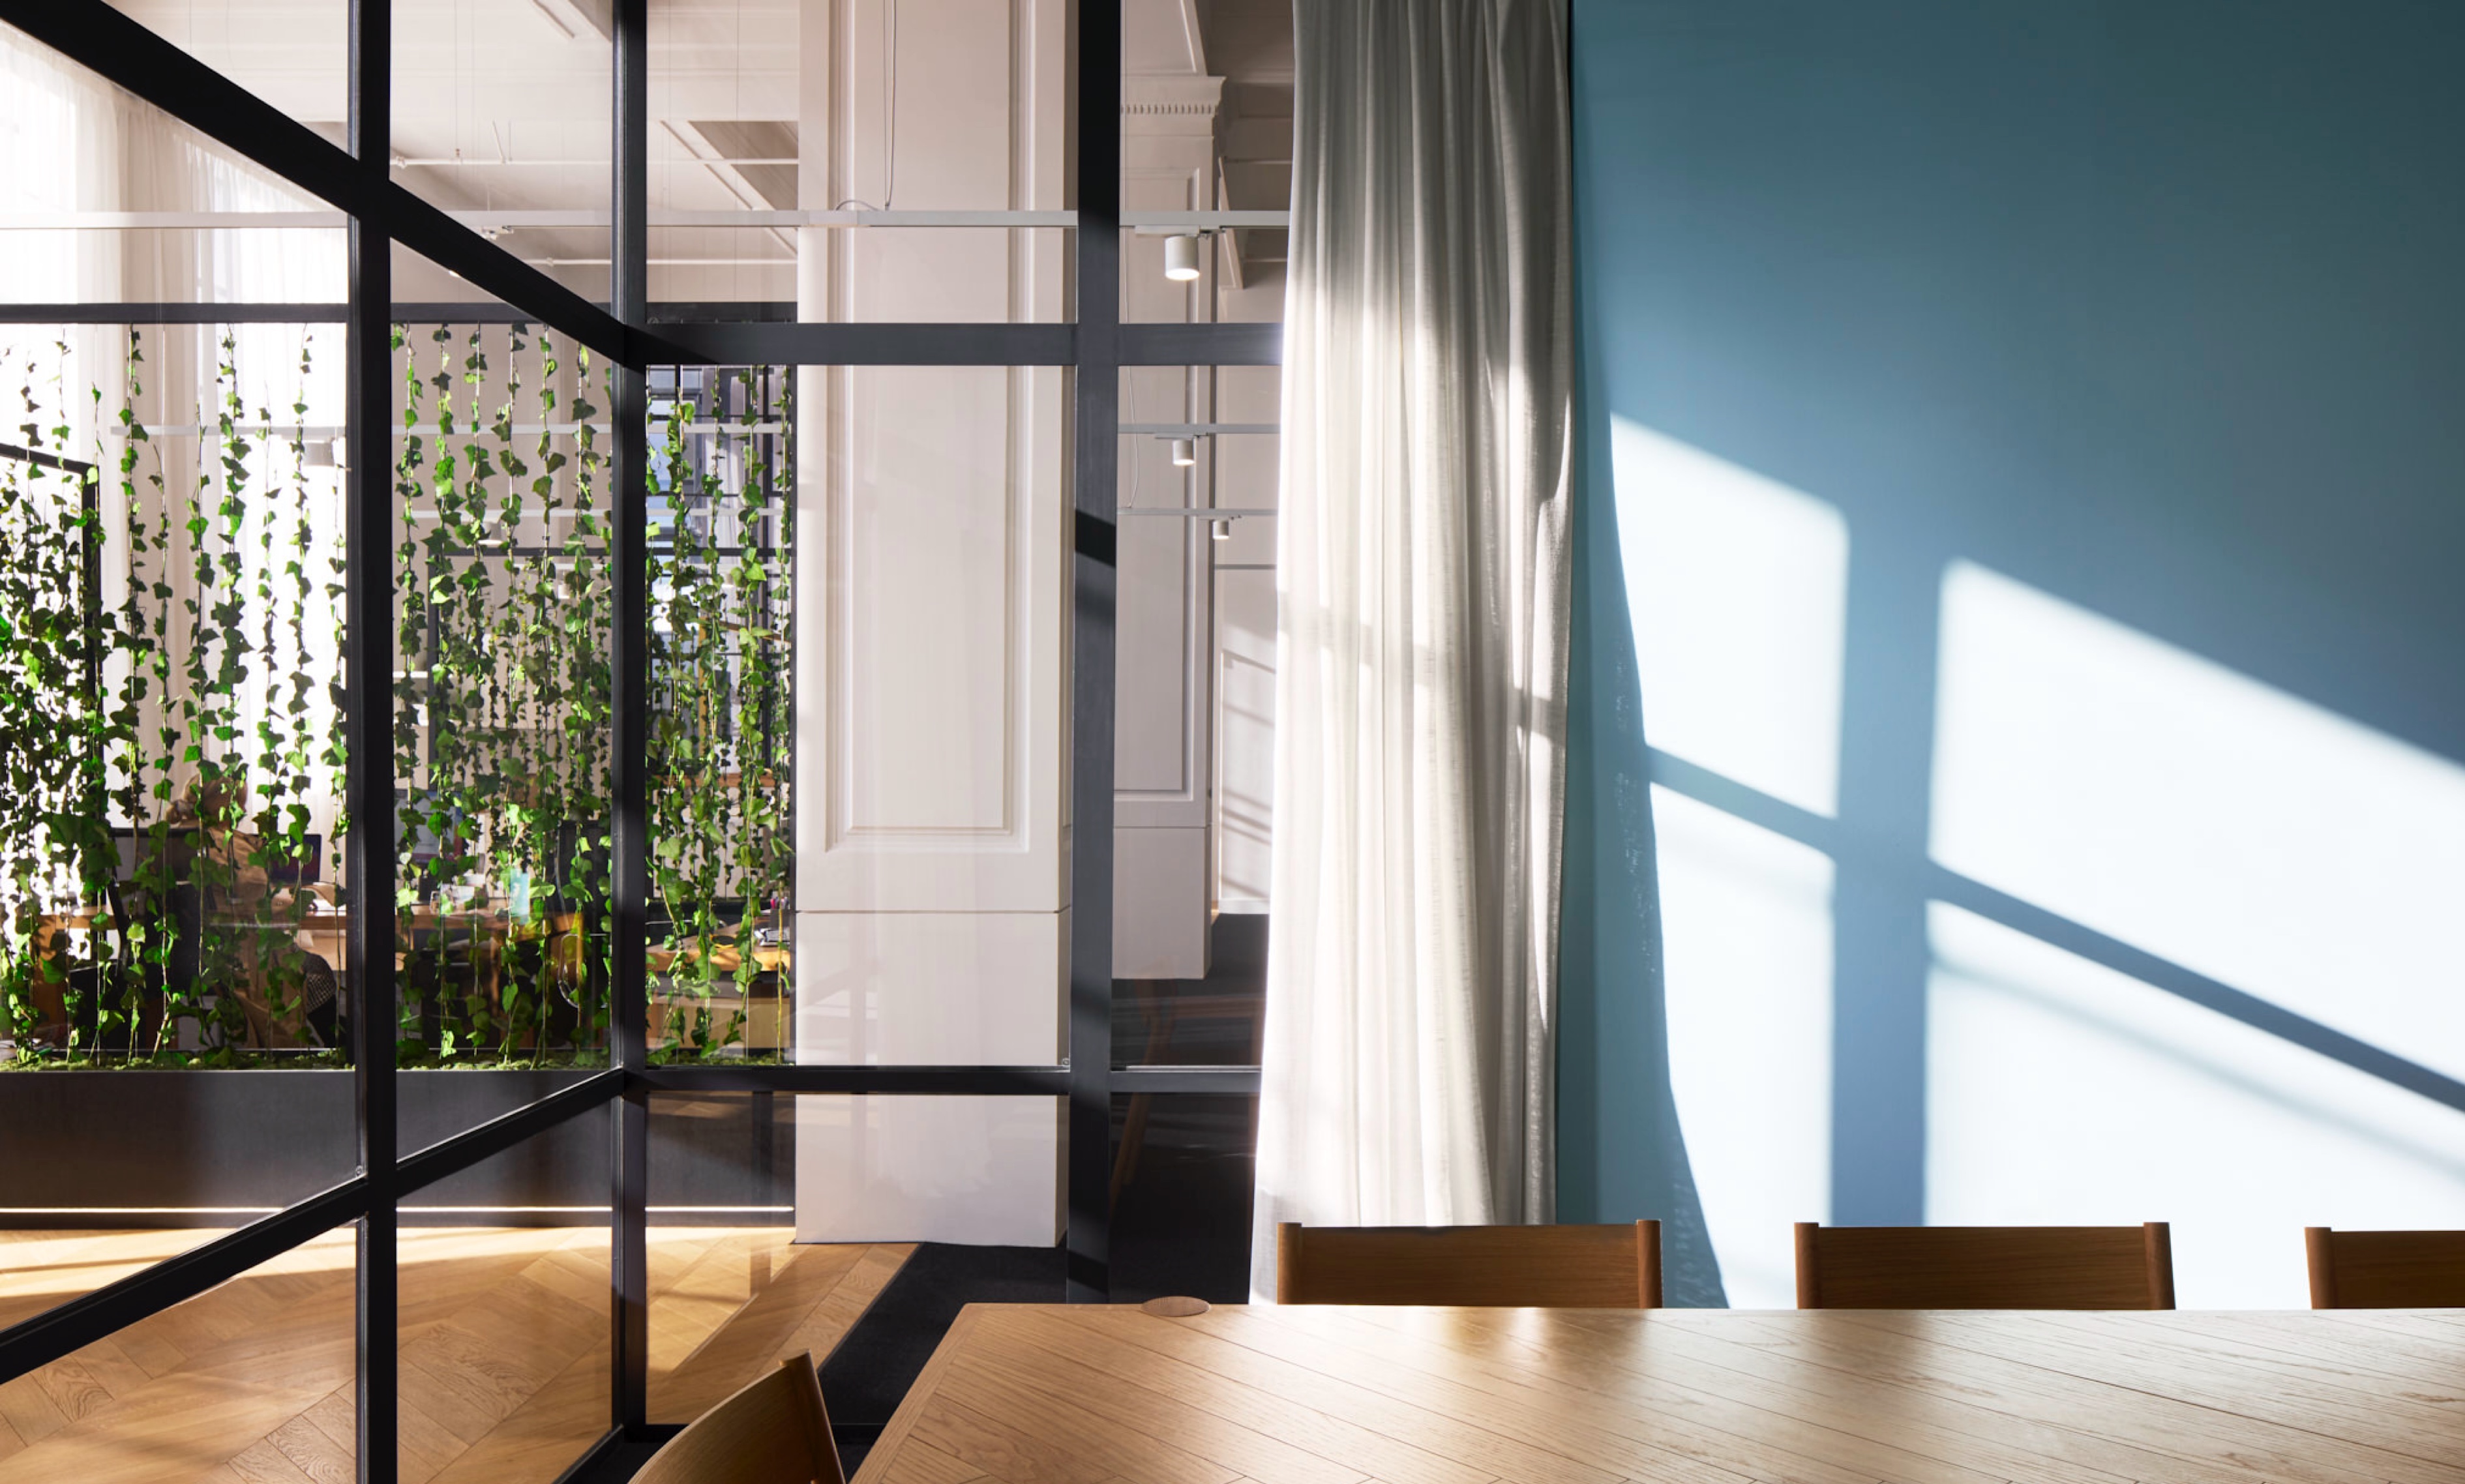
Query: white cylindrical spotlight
<point x="1223" y="528"/>
<point x="1181" y="258"/>
<point x="1185" y="452"/>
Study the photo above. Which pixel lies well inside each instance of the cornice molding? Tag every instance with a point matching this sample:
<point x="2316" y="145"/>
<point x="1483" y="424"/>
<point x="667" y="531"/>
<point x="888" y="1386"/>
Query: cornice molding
<point x="1171" y="96"/>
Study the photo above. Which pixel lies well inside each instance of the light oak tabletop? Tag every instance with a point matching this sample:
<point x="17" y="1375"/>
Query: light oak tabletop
<point x="1053" y="1394"/>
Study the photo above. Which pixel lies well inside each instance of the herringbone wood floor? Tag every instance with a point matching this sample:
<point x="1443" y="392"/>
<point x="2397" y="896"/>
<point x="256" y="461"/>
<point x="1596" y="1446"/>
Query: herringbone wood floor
<point x="505" y="1351"/>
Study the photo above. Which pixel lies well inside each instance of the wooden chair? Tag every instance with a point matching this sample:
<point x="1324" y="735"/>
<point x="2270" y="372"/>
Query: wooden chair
<point x="1984" y="1266"/>
<point x="2385" y="1269"/>
<point x="1614" y="1267"/>
<point x="774" y="1432"/>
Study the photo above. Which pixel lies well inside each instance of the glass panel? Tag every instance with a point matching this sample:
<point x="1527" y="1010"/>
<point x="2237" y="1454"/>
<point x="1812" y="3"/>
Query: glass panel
<point x="745" y="1273"/>
<point x="107" y="199"/>
<point x="1215" y="1020"/>
<point x="502" y="615"/>
<point x="713" y="269"/>
<point x="504" y="1299"/>
<point x="1193" y="743"/>
<point x="502" y="114"/>
<point x="1206" y="122"/>
<point x="251" y="1380"/>
<point x="730" y="1294"/>
<point x="721" y="668"/>
<point x="170" y="776"/>
<point x="1183" y="1168"/>
<point x="293" y="54"/>
<point x="909" y="827"/>
<point x="173" y="774"/>
<point x="919" y="105"/>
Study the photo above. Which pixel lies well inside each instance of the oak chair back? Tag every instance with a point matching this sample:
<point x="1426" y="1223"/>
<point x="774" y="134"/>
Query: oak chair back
<point x="2385" y="1269"/>
<point x="1984" y="1266"/>
<point x="1610" y="1267"/>
<point x="774" y="1432"/>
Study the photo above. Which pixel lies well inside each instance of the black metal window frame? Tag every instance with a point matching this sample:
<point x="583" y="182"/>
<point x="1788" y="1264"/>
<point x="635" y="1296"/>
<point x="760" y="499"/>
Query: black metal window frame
<point x="633" y="335"/>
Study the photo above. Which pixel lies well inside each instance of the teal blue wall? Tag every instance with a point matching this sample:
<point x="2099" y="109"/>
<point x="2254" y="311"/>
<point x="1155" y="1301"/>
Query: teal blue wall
<point x="2157" y="306"/>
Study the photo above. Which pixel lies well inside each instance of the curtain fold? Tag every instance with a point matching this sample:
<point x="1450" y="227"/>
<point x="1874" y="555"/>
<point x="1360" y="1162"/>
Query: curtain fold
<point x="1423" y="572"/>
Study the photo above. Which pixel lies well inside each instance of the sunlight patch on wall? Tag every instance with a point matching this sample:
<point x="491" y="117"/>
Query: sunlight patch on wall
<point x="1737" y="586"/>
<point x="1746" y="928"/>
<point x="2062" y="1092"/>
<point x="2189" y="810"/>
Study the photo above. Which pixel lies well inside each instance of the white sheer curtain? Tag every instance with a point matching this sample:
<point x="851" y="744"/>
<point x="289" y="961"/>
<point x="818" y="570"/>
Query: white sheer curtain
<point x="1423" y="571"/>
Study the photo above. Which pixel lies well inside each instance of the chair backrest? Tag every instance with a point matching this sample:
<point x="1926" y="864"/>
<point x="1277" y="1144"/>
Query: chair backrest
<point x="774" y="1432"/>
<point x="1615" y="1266"/>
<point x="2385" y="1269"/>
<point x="1984" y="1266"/>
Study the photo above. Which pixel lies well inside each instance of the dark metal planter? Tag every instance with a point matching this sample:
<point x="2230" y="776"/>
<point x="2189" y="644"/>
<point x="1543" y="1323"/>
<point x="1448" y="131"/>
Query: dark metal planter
<point x="122" y="1149"/>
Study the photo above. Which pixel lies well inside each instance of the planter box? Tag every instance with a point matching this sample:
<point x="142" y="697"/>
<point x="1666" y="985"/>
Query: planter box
<point x="119" y="1149"/>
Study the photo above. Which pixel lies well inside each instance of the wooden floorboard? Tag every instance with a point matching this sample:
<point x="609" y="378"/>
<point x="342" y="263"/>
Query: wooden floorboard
<point x="503" y="1342"/>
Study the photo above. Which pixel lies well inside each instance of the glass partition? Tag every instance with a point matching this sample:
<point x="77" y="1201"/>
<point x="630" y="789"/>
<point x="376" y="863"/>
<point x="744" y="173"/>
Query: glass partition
<point x="173" y="816"/>
<point x="301" y="65"/>
<point x="504" y="607"/>
<point x="1183" y="1168"/>
<point x="272" y="1350"/>
<point x="502" y="1283"/>
<point x="502" y="116"/>
<point x="178" y="987"/>
<point x="720" y="529"/>
<point x="107" y="199"/>
<point x="1195" y="712"/>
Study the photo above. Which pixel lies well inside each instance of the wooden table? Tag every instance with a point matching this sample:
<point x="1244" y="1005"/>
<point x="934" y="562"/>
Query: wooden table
<point x="1038" y="1394"/>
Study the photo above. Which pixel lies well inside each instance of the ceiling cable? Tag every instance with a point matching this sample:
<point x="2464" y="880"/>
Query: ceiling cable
<point x="889" y="115"/>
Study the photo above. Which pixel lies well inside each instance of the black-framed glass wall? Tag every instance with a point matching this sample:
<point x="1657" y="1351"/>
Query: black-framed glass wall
<point x="576" y="643"/>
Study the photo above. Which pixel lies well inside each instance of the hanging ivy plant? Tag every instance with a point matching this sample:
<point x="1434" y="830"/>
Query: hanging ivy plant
<point x="188" y="712"/>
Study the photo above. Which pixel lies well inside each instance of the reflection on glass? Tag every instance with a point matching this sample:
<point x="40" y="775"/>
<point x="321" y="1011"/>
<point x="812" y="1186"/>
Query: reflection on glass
<point x="249" y="1380"/>
<point x="1183" y="1169"/>
<point x="2060" y="1092"/>
<point x="297" y="59"/>
<point x="1217" y="1021"/>
<point x="1737" y="588"/>
<point x="732" y="1293"/>
<point x="1747" y="924"/>
<point x="504" y="1286"/>
<point x="504" y="106"/>
<point x="980" y="1170"/>
<point x="117" y="202"/>
<point x="2161" y="798"/>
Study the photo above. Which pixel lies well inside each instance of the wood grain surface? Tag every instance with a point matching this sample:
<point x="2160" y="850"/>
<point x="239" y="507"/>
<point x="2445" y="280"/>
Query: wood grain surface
<point x="503" y="1346"/>
<point x="1559" y="1267"/>
<point x="1032" y="1394"/>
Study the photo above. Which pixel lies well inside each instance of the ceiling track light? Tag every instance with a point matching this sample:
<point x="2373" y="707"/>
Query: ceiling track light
<point x="1181" y="257"/>
<point x="1185" y="452"/>
<point x="1223" y="527"/>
